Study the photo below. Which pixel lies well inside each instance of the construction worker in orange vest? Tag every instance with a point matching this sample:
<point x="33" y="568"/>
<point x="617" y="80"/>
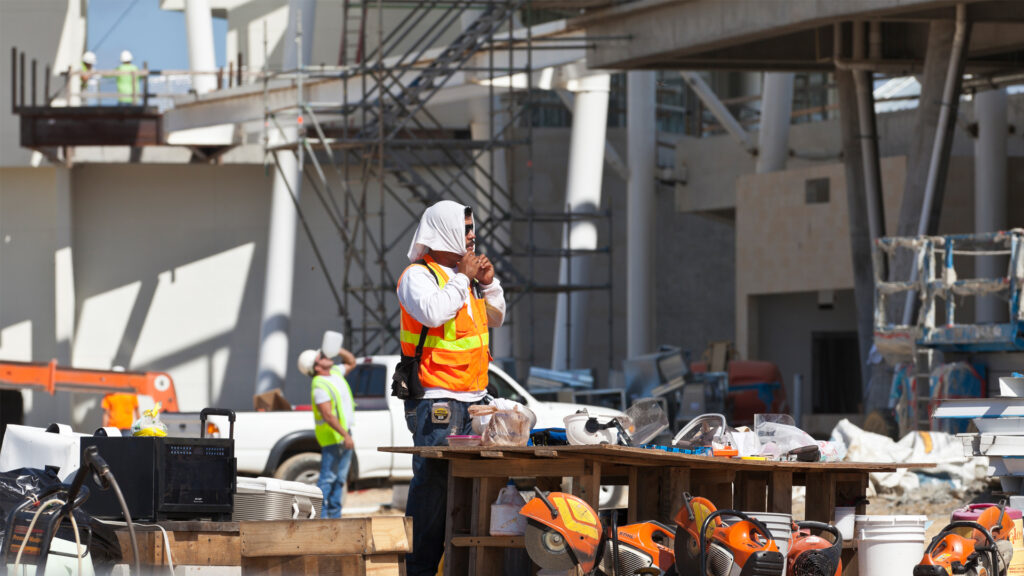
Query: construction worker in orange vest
<point x="449" y="297"/>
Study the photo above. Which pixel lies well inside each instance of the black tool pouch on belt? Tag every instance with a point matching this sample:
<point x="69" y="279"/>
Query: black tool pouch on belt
<point x="405" y="383"/>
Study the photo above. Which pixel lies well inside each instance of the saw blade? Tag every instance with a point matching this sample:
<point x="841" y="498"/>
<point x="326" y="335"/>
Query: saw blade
<point x="687" y="551"/>
<point x="548" y="549"/>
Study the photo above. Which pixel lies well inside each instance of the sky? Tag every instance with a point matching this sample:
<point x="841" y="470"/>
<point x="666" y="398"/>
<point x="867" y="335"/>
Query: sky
<point x="151" y="34"/>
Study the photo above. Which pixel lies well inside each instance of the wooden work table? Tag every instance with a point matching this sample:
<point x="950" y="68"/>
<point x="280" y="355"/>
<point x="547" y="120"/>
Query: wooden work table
<point x="657" y="480"/>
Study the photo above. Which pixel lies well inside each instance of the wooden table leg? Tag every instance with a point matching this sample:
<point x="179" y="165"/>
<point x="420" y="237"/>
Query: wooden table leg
<point x="780" y="492"/>
<point x="674" y="483"/>
<point x="460" y="492"/>
<point x="485" y="560"/>
<point x="821" y="496"/>
<point x="588" y="486"/>
<point x="750" y="492"/>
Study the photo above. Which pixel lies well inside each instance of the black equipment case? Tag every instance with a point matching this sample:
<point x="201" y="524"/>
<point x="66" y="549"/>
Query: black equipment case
<point x="168" y="478"/>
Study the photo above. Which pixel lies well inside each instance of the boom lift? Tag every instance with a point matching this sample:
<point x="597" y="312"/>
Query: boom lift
<point x="48" y="377"/>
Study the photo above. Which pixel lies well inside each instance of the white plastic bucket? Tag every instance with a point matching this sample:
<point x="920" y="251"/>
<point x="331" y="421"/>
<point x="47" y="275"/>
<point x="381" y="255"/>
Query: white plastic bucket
<point x="889" y="544"/>
<point x="845" y="517"/>
<point x="780" y="525"/>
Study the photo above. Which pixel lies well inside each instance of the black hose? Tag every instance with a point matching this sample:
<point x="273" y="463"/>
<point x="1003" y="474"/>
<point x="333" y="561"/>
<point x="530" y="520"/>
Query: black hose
<point x="127" y="519"/>
<point x="615" y="542"/>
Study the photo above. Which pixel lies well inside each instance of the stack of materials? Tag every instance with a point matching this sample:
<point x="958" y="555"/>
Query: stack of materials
<point x="1000" y="436"/>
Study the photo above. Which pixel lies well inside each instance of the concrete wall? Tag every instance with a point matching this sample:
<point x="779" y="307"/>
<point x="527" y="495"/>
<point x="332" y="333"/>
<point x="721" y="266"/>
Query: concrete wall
<point x="786" y="325"/>
<point x="785" y="245"/>
<point x="712" y="166"/>
<point x="52" y="32"/>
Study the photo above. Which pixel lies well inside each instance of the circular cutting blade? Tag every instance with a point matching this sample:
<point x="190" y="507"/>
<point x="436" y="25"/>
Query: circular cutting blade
<point x="547" y="548"/>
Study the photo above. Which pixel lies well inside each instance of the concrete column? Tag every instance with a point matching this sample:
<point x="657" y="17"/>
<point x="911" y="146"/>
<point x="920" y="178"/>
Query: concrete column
<point x="990" y="192"/>
<point x="277" y="288"/>
<point x="914" y="219"/>
<point x="489" y="206"/>
<point x="582" y="195"/>
<point x="776" y="109"/>
<point x="308" y="21"/>
<point x="641" y="143"/>
<point x="857" y="213"/>
<point x="199" y="30"/>
<point x="63" y="270"/>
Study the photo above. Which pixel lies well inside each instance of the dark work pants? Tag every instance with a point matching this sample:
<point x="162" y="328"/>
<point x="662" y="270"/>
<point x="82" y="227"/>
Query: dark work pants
<point x="428" y="492"/>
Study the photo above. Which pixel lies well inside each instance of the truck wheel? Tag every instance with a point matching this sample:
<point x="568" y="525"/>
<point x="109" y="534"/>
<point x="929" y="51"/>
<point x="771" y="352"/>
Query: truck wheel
<point x="304" y="467"/>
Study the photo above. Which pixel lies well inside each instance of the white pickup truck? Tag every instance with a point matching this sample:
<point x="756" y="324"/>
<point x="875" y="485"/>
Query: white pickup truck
<point x="282" y="444"/>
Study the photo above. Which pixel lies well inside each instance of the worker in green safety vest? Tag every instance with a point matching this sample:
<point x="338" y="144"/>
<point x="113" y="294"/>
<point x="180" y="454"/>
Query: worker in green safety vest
<point x="127" y="84"/>
<point x="334" y="415"/>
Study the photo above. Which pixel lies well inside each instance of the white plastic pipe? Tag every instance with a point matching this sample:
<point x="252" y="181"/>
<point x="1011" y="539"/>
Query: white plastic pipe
<point x="582" y="195"/>
<point x="776" y="109"/>
<point x="199" y="30"/>
<point x="306" y="11"/>
<point x="990" y="193"/>
<point x="277" y="287"/>
<point x="641" y="144"/>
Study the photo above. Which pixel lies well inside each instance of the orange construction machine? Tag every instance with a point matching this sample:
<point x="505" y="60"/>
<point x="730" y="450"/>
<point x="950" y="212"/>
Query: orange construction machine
<point x="49" y="378"/>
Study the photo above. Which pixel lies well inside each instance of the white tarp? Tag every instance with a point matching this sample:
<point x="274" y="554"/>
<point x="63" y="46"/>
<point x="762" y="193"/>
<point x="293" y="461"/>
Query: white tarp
<point x="940" y="448"/>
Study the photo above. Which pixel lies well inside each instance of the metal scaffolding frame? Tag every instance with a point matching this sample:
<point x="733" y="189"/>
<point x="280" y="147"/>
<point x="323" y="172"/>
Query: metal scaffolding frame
<point x="383" y="136"/>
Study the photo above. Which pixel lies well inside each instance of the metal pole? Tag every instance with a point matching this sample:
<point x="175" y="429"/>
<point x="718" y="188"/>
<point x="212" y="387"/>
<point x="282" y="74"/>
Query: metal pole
<point x="641" y="135"/>
<point x="34" y="64"/>
<point x="14" y="80"/>
<point x="22" y="80"/>
<point x="868" y="138"/>
<point x="719" y="111"/>
<point x="943" y="134"/>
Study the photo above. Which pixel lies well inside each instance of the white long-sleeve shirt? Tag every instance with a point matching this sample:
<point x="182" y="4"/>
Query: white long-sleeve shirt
<point x="431" y="306"/>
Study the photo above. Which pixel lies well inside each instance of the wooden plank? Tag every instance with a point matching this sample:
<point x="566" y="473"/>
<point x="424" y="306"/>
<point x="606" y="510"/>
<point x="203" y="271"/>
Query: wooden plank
<point x="385" y="565"/>
<point x="460" y="493"/>
<point x="665" y="504"/>
<point x="546" y="453"/>
<point x="751" y="491"/>
<point x="390" y="534"/>
<point x="821" y="497"/>
<point x="304" y="565"/>
<point x="715" y="485"/>
<point x="488" y="541"/>
<point x="309" y="537"/>
<point x="588" y="484"/>
<point x="505" y="468"/>
<point x="780" y="492"/>
<point x="187" y="548"/>
<point x="485" y="492"/>
<point x="492" y="454"/>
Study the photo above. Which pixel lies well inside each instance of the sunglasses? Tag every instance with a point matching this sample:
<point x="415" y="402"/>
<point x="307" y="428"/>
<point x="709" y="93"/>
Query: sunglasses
<point x="469" y="228"/>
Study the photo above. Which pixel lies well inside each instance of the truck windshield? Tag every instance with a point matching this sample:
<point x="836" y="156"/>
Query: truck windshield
<point x="367" y="382"/>
<point x="498" y="387"/>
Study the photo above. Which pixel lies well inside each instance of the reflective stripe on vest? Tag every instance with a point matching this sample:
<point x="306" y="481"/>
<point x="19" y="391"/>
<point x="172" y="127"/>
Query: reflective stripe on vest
<point x="325" y="434"/>
<point x="455" y="355"/>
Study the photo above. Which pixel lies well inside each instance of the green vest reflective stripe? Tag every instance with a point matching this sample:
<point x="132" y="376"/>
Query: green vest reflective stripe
<point x="126" y="86"/>
<point x="325" y="435"/>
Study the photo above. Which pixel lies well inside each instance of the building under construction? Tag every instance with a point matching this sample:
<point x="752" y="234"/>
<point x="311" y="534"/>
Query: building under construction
<point x="642" y="173"/>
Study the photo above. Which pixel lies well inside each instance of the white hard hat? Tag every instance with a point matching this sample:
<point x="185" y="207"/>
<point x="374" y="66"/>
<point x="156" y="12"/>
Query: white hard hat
<point x="126" y="56"/>
<point x="307" y="360"/>
<point x="89" y="58"/>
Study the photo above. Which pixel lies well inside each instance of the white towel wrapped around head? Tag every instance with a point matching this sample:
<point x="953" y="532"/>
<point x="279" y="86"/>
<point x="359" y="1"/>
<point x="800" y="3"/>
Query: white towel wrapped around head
<point x="443" y="228"/>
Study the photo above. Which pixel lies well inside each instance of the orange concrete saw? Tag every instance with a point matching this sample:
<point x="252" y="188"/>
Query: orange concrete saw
<point x="564" y="533"/>
<point x="709" y="546"/>
<point x="981" y="548"/>
<point x="811" y="554"/>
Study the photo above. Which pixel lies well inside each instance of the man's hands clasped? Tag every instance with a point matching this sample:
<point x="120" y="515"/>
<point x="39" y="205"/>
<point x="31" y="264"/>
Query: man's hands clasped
<point x="477" y="267"/>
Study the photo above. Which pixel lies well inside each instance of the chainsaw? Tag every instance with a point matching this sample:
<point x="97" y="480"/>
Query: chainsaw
<point x="813" y="555"/>
<point x="709" y="546"/>
<point x="981" y="548"/>
<point x="564" y="533"/>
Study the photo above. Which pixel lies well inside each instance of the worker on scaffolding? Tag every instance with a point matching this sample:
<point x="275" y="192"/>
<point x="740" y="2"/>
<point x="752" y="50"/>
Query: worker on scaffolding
<point x="127" y="80"/>
<point x="449" y="297"/>
<point x="89" y="80"/>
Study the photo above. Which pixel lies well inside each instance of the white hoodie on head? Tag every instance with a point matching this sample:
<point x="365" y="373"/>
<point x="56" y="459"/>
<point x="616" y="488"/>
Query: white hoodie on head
<point x="442" y="228"/>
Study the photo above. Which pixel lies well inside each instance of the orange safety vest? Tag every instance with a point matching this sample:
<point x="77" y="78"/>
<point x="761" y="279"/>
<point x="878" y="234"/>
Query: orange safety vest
<point x="456" y="354"/>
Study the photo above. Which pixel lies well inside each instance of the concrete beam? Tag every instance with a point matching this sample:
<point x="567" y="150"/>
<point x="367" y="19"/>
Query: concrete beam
<point x="665" y="29"/>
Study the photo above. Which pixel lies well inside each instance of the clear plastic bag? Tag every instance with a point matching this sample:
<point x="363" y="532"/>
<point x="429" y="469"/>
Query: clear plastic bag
<point x="149" y="424"/>
<point x="504" y="423"/>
